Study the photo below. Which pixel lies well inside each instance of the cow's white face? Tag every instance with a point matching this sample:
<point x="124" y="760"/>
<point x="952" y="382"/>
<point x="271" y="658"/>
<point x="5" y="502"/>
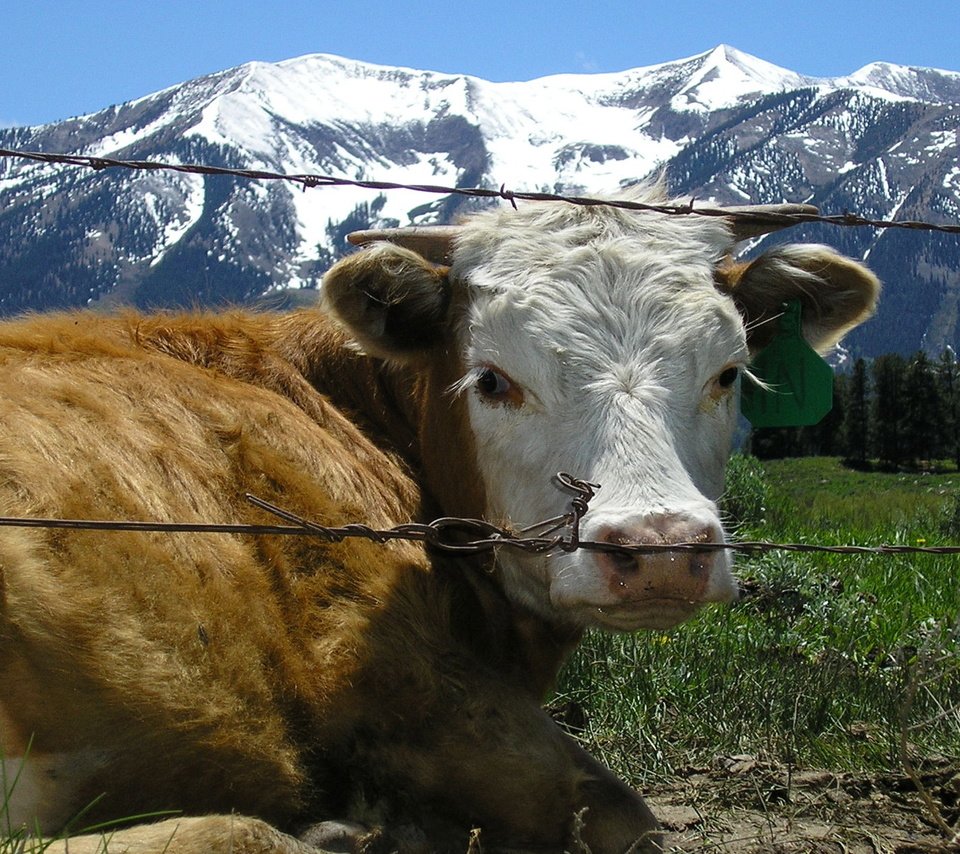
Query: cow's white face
<point x="602" y="343"/>
<point x="615" y="359"/>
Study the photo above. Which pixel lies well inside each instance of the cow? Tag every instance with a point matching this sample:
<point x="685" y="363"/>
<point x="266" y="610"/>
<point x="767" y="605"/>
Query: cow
<point x="286" y="693"/>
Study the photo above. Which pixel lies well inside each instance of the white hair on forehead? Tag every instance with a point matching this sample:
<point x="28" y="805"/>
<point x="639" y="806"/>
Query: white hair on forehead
<point x="612" y="283"/>
<point x="497" y="248"/>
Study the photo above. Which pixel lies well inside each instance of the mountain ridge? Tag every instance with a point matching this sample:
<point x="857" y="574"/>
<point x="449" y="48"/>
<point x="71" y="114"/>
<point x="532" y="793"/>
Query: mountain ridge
<point x="724" y="125"/>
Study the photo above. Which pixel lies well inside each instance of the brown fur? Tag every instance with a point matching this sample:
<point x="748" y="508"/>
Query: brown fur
<point x="279" y="677"/>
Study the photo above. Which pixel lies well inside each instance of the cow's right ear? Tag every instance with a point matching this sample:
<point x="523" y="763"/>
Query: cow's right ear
<point x="393" y="301"/>
<point x="835" y="293"/>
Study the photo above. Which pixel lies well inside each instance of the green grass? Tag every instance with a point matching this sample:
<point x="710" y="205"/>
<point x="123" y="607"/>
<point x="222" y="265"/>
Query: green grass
<point x="810" y="494"/>
<point x="811" y="668"/>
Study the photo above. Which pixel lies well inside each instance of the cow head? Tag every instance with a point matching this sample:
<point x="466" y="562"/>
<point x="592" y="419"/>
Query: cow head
<point x="602" y="342"/>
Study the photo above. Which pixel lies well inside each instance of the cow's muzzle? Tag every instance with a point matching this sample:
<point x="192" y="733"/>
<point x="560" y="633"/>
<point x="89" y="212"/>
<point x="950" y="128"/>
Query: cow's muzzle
<point x="631" y="589"/>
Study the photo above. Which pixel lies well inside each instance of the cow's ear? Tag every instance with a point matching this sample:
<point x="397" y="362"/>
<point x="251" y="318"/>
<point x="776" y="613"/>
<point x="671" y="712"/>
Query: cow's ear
<point x="391" y="300"/>
<point x="836" y="293"/>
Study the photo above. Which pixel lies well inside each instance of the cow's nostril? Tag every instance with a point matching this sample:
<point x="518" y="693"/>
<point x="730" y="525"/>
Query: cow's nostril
<point x="621" y="561"/>
<point x="659" y="530"/>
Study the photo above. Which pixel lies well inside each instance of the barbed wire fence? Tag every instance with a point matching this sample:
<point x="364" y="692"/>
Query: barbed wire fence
<point x="311" y="181"/>
<point x="446" y="534"/>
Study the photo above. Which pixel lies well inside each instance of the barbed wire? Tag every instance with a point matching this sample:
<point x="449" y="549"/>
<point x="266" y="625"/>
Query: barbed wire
<point x="446" y="533"/>
<point x="310" y="181"/>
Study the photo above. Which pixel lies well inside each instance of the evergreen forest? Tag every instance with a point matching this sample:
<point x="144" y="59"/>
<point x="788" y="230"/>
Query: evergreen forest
<point x="889" y="413"/>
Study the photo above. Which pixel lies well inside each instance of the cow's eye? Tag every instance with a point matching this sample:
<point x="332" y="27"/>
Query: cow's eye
<point x="495" y="387"/>
<point x="722" y="384"/>
<point x="728" y="376"/>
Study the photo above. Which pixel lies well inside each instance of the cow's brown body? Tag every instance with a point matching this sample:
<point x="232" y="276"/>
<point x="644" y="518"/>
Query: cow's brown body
<point x="294" y="680"/>
<point x="276" y="676"/>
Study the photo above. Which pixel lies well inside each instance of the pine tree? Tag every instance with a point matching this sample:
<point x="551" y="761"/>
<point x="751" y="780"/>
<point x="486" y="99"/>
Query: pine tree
<point x="825" y="438"/>
<point x="888" y="408"/>
<point x="920" y="423"/>
<point x="856" y="416"/>
<point x="948" y="384"/>
<point x="772" y="443"/>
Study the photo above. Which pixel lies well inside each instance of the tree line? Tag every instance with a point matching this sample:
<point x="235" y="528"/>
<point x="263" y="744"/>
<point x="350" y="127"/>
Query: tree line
<point x="894" y="411"/>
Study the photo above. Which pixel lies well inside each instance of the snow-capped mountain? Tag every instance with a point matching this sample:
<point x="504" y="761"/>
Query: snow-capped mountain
<point x="725" y="125"/>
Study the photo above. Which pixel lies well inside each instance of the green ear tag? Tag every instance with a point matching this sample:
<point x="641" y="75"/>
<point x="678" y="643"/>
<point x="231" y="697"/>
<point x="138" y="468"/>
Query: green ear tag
<point x="800" y="383"/>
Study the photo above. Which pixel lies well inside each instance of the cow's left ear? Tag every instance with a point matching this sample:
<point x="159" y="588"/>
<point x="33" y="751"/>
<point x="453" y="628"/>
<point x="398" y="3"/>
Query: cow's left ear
<point x="392" y="300"/>
<point x="836" y="293"/>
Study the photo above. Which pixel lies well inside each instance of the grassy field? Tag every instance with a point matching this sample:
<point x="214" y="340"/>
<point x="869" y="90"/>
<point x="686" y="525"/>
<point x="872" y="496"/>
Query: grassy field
<point x="824" y="662"/>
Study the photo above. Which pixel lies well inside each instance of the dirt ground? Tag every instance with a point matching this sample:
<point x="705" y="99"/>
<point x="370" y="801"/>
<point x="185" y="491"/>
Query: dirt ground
<point x="743" y="806"/>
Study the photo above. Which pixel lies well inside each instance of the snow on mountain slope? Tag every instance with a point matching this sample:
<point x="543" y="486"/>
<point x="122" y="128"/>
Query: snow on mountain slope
<point x="921" y="84"/>
<point x="563" y="132"/>
<point x="726" y="74"/>
<point x="725" y="125"/>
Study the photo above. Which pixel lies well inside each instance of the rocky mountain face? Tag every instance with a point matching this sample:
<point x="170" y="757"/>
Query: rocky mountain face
<point x="725" y="126"/>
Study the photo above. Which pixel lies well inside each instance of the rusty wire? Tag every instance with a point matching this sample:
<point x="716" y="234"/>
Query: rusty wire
<point x="446" y="534"/>
<point x="308" y="181"/>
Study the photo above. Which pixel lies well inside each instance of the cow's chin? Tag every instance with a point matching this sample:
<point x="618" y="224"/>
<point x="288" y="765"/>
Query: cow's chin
<point x="658" y="592"/>
<point x="583" y="597"/>
<point x="657" y="614"/>
<point x="594" y="605"/>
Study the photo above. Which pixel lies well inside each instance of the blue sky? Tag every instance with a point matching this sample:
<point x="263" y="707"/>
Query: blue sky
<point x="60" y="58"/>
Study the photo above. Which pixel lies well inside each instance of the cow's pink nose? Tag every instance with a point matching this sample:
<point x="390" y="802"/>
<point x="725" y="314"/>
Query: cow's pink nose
<point x="683" y="574"/>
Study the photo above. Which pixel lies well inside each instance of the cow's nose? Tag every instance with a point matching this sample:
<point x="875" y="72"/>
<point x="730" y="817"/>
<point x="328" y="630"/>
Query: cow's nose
<point x="683" y="574"/>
